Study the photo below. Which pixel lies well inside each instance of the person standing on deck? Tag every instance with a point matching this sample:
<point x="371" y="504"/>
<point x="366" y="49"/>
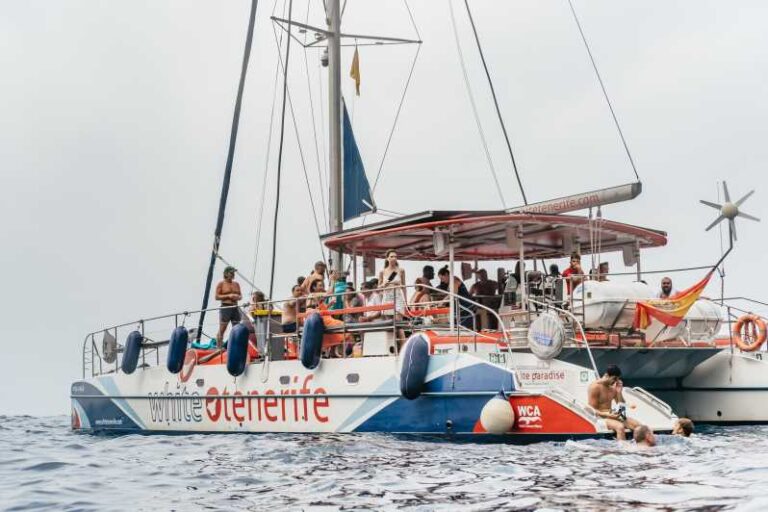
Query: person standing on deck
<point x="666" y="288"/>
<point x="574" y="274"/>
<point x="228" y="292"/>
<point x="392" y="279"/>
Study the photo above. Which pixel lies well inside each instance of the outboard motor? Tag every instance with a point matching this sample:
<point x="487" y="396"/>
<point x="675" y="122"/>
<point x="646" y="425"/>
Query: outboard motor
<point x="237" y="350"/>
<point x="177" y="349"/>
<point x="131" y="352"/>
<point x="413" y="369"/>
<point x="312" y="341"/>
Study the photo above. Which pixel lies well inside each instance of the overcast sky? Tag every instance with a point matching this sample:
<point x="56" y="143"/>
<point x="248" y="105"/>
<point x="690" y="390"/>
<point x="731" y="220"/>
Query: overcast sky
<point x="115" y="120"/>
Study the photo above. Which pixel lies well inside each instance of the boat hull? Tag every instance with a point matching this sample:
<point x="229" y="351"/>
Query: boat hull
<point x="341" y="395"/>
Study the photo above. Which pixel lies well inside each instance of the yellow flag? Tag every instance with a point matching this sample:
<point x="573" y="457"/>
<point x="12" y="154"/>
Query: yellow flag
<point x="355" y="71"/>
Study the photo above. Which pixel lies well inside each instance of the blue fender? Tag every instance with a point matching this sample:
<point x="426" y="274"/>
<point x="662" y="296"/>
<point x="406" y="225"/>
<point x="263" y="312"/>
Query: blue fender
<point x="177" y="349"/>
<point x="237" y="350"/>
<point x="312" y="341"/>
<point x="131" y="352"/>
<point x="413" y="372"/>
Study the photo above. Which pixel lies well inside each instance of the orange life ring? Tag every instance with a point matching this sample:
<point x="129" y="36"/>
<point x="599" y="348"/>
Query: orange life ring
<point x="753" y="328"/>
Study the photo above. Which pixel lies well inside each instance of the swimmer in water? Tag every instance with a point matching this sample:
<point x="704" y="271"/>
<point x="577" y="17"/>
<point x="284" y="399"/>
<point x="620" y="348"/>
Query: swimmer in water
<point x="683" y="427"/>
<point x="644" y="437"/>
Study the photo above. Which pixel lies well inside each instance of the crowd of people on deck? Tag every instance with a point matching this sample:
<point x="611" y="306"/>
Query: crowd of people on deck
<point x="386" y="290"/>
<point x="332" y="290"/>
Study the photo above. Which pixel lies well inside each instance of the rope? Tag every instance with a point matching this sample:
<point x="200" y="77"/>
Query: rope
<point x="400" y="104"/>
<point x="301" y="155"/>
<point x="496" y="103"/>
<point x="314" y="127"/>
<point x="474" y="107"/>
<point x="394" y="122"/>
<point x="280" y="150"/>
<point x="266" y="161"/>
<point x="230" y="159"/>
<point x="605" y="93"/>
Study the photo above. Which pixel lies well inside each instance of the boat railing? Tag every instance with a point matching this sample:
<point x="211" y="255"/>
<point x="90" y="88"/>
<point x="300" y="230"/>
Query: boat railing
<point x="101" y="358"/>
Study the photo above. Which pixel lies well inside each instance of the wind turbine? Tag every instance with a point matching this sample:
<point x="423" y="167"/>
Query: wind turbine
<point x="729" y="210"/>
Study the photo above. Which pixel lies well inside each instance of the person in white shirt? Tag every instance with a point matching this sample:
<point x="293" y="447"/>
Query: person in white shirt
<point x="372" y="298"/>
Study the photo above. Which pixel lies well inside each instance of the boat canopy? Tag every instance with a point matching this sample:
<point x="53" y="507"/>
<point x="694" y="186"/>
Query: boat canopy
<point x="491" y="235"/>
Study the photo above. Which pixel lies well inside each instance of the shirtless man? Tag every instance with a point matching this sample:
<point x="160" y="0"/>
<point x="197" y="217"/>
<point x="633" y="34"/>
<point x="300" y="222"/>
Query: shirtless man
<point x="318" y="274"/>
<point x="290" y="309"/>
<point x="228" y="292"/>
<point x="602" y="393"/>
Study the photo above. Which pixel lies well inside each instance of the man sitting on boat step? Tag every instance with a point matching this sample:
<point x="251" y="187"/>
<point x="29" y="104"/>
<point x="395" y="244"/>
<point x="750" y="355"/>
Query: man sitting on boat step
<point x="602" y="393"/>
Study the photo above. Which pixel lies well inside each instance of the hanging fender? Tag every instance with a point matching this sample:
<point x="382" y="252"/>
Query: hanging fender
<point x="237" y="350"/>
<point x="414" y="363"/>
<point x="177" y="348"/>
<point x="312" y="341"/>
<point x="131" y="352"/>
<point x="749" y="326"/>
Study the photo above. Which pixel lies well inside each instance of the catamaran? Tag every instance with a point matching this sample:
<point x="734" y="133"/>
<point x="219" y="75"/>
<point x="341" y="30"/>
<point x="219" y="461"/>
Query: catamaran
<point x="518" y="371"/>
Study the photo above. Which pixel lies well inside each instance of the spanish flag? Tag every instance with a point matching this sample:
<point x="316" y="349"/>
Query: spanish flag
<point x="355" y="71"/>
<point x="669" y="311"/>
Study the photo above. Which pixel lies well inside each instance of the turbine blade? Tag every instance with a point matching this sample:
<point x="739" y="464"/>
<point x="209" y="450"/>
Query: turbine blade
<point x="746" y="196"/>
<point x="732" y="225"/>
<point x="747" y="216"/>
<point x="710" y="204"/>
<point x="717" y="221"/>
<point x="725" y="192"/>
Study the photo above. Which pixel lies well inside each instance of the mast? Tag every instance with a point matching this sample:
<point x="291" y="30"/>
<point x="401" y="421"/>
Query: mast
<point x="336" y="223"/>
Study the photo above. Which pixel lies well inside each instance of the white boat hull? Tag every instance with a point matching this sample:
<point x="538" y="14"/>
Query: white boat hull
<point x="341" y="395"/>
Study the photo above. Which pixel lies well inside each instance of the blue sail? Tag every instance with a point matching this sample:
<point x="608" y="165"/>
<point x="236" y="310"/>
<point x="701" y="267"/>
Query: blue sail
<point x="357" y="192"/>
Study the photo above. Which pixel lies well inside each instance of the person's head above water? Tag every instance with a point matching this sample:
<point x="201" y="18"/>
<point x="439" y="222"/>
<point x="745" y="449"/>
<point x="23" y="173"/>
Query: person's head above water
<point x="683" y="427"/>
<point x="643" y="436"/>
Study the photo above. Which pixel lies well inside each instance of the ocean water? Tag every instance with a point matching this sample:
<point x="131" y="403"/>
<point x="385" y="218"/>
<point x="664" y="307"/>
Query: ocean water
<point x="44" y="466"/>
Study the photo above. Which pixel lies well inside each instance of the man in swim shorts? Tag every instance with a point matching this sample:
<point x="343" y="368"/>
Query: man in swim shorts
<point x="228" y="292"/>
<point x="602" y="393"/>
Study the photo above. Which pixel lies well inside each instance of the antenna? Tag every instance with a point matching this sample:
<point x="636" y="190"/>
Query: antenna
<point x="729" y="211"/>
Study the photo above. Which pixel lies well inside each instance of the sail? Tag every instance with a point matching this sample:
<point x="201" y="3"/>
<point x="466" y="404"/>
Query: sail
<point x="357" y="192"/>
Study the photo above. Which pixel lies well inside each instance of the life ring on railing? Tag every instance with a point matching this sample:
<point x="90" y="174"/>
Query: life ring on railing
<point x="753" y="327"/>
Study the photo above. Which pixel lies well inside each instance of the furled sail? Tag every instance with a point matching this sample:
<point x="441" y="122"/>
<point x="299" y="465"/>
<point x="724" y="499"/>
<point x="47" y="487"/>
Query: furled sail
<point x="357" y="192"/>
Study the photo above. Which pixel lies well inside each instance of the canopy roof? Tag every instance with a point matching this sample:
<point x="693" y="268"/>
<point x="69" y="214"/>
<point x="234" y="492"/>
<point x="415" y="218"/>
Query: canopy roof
<point x="491" y="235"/>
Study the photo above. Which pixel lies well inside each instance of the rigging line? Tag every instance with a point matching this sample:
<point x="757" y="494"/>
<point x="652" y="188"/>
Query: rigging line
<point x="228" y="165"/>
<point x="413" y="22"/>
<point x="605" y="93"/>
<point x="260" y="222"/>
<point x="474" y="106"/>
<point x="314" y="127"/>
<point x="394" y="123"/>
<point x="301" y="154"/>
<point x="496" y="102"/>
<point x="322" y="130"/>
<point x="280" y="151"/>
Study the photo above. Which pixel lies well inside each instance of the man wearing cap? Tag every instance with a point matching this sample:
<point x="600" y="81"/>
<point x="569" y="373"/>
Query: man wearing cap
<point x="228" y="292"/>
